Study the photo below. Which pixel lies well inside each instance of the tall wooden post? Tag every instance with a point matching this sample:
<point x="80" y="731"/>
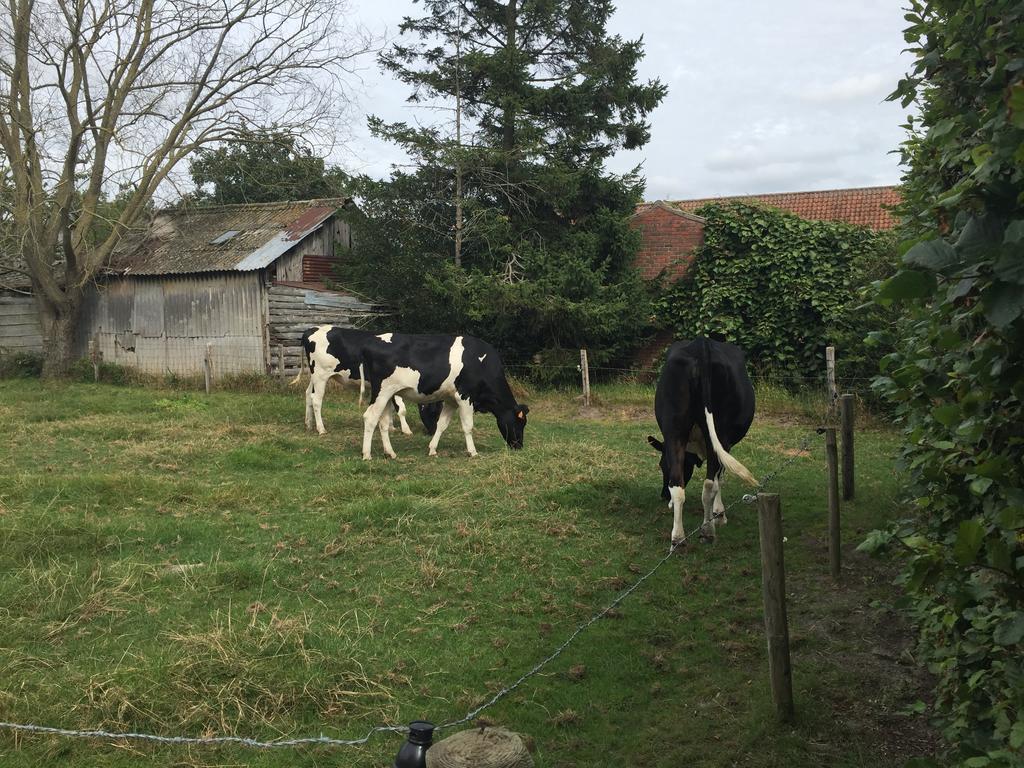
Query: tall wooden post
<point x="773" y="579"/>
<point x="832" y="462"/>
<point x="846" y="418"/>
<point x="208" y="367"/>
<point x="96" y="356"/>
<point x="830" y="375"/>
<point x="280" y="361"/>
<point x="585" y="371"/>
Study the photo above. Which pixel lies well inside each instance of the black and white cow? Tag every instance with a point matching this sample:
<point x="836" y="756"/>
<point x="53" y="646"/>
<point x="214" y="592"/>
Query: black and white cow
<point x="463" y="373"/>
<point x="337" y="352"/>
<point x="704" y="404"/>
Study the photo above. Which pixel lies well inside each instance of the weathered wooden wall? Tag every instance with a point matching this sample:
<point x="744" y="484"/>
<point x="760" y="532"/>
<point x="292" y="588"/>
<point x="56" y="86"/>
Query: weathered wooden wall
<point x="162" y="324"/>
<point x="293" y="310"/>
<point x="20" y="330"/>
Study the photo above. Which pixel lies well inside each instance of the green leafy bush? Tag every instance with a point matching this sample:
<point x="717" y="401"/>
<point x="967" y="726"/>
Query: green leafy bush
<point x="783" y="288"/>
<point x="20" y="365"/>
<point x="956" y="376"/>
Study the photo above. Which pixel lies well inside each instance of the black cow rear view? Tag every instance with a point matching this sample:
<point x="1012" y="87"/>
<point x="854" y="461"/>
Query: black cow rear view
<point x="704" y="404"/>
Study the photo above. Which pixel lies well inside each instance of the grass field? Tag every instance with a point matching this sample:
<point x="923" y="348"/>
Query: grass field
<point x="188" y="565"/>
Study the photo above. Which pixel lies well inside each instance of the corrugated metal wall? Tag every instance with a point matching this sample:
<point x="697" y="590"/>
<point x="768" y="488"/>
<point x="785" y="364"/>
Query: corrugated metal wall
<point x="293" y="310"/>
<point x="19" y="324"/>
<point x="162" y="324"/>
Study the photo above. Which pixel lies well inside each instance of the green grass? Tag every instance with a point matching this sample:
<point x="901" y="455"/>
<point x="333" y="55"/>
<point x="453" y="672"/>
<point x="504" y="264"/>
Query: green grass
<point x="189" y="565"/>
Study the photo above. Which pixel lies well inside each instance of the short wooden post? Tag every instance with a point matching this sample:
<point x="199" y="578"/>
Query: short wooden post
<point x="208" y="367"/>
<point x="96" y="356"/>
<point x="280" y="361"/>
<point x="585" y="370"/>
<point x="773" y="579"/>
<point x="832" y="462"/>
<point x="846" y="419"/>
<point x="830" y="375"/>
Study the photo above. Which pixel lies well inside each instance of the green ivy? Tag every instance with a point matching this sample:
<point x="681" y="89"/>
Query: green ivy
<point x="956" y="376"/>
<point x="781" y="287"/>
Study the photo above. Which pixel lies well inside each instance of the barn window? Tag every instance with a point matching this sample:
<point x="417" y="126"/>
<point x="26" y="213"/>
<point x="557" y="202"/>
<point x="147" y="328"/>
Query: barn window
<point x="224" y="237"/>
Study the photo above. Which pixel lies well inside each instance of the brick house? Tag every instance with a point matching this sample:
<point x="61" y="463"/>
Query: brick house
<point x="672" y="232"/>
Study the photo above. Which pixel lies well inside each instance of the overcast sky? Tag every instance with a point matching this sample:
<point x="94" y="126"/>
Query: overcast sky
<point x="762" y="97"/>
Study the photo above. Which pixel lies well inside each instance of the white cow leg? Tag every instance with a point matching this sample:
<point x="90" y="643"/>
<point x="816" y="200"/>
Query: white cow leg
<point x="401" y="415"/>
<point x="309" y="403"/>
<point x="319" y="387"/>
<point x="677" y="496"/>
<point x="719" y="506"/>
<point x="447" y="411"/>
<point x="384" y="426"/>
<point x="371" y="419"/>
<point x="466" y="417"/>
<point x="707" y="498"/>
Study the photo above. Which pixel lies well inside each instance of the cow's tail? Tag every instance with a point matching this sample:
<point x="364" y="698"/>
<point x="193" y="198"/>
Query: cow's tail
<point x="730" y="463"/>
<point x="362" y="385"/>
<point x="307" y="348"/>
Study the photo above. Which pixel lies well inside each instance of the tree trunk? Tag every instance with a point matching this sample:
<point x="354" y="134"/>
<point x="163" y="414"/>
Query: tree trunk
<point x="59" y="342"/>
<point x="508" y="117"/>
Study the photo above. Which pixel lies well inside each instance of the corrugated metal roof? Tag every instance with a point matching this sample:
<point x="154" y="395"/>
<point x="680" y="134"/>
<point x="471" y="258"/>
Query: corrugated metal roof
<point x="180" y="241"/>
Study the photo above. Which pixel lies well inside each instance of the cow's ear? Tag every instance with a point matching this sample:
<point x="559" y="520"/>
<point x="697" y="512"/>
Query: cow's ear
<point x="525" y="409"/>
<point x="658" y="445"/>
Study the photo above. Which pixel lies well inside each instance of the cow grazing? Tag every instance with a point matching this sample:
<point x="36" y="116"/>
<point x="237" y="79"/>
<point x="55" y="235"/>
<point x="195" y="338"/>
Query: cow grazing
<point x="704" y="404"/>
<point x="463" y="373"/>
<point x="337" y="352"/>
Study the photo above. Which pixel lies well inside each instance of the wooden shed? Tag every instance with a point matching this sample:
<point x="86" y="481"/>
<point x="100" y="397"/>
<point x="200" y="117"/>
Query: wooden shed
<point x="243" y="280"/>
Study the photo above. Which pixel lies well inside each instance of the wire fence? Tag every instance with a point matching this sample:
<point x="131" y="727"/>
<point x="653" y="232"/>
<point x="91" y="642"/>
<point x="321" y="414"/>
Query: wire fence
<point x="472" y="714"/>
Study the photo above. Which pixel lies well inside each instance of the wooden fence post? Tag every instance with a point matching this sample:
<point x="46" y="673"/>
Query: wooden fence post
<point x="846" y="418"/>
<point x="208" y="367"/>
<point x="280" y="361"/>
<point x="96" y="356"/>
<point x="773" y="579"/>
<point x="830" y="375"/>
<point x="832" y="461"/>
<point x="585" y="370"/>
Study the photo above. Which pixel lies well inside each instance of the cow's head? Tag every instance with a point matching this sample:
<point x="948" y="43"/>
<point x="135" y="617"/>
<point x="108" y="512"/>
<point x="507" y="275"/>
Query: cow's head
<point x="662" y="462"/>
<point x="429" y="414"/>
<point x="511" y="424"/>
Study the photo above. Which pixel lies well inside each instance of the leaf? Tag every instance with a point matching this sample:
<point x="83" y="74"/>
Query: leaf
<point x="1016" y="104"/>
<point x="1010" y="268"/>
<point x="947" y="415"/>
<point x="968" y="541"/>
<point x="935" y="255"/>
<point x="1017" y="735"/>
<point x="1011" y="630"/>
<point x="907" y="284"/>
<point x="1014" y="232"/>
<point x="1003" y="303"/>
<point x="980" y="485"/>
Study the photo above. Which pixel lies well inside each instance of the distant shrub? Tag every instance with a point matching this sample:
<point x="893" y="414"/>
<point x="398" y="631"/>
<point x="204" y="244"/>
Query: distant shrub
<point x="20" y="365"/>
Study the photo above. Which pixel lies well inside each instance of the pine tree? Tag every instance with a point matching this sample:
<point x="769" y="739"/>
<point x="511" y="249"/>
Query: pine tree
<point x="513" y="188"/>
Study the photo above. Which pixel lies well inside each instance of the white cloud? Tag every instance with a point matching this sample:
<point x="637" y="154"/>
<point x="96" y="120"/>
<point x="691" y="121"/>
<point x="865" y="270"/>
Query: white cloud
<point x="875" y="84"/>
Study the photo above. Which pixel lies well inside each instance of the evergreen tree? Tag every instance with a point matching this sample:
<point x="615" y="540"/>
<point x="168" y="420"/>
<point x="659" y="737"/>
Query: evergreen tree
<point x="517" y="193"/>
<point x="262" y="167"/>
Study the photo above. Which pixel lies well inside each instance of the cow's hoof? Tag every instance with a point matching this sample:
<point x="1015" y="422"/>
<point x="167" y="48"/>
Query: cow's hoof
<point x="321" y="432"/>
<point x="677" y="545"/>
<point x="406" y="431"/>
<point x="471" y="455"/>
<point x="707" y="538"/>
<point x="366" y="457"/>
<point x="432" y="454"/>
<point x="392" y="455"/>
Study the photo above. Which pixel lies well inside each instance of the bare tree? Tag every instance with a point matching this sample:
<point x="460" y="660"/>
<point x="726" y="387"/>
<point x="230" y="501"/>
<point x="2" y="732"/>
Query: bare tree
<point x="112" y="94"/>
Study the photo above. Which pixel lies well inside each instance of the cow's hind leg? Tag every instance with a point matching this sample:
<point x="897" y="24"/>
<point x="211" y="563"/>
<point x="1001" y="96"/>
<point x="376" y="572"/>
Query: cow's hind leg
<point x="309" y="403"/>
<point x="400" y="407"/>
<point x="711" y="497"/>
<point x="318" y="387"/>
<point x="384" y="426"/>
<point x="379" y="402"/>
<point x="466" y="417"/>
<point x="447" y="411"/>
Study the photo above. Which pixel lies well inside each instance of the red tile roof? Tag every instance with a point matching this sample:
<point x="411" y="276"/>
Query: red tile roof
<point x="865" y="207"/>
